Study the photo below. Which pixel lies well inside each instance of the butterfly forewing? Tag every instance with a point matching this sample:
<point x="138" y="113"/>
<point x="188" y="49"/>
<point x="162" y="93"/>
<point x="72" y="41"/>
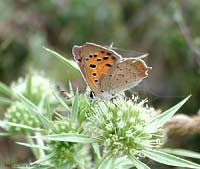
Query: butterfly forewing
<point x="97" y="61"/>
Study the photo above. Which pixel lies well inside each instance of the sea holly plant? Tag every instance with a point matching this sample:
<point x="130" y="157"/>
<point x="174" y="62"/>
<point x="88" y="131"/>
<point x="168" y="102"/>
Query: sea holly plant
<point x="79" y="132"/>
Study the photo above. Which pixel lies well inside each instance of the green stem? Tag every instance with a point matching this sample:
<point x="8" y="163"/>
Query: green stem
<point x="30" y="141"/>
<point x="40" y="142"/>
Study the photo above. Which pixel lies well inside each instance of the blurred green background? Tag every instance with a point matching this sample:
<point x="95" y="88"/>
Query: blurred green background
<point x="168" y="30"/>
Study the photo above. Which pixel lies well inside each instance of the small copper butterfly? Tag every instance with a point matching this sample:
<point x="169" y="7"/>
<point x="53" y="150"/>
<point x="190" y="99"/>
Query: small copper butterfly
<point x="106" y="72"/>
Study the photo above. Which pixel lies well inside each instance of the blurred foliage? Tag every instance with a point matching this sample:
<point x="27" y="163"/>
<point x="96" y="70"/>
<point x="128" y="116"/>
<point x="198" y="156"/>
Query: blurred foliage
<point x="140" y="25"/>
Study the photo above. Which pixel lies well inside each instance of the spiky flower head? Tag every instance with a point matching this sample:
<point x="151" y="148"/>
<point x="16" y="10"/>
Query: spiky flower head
<point x="65" y="152"/>
<point x="17" y="113"/>
<point x="85" y="106"/>
<point x="120" y="126"/>
<point x="34" y="87"/>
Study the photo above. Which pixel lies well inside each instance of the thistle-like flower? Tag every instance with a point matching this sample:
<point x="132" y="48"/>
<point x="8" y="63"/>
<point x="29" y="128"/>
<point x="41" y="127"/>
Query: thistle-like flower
<point x="120" y="127"/>
<point x="17" y="113"/>
<point x="66" y="152"/>
<point x="34" y="87"/>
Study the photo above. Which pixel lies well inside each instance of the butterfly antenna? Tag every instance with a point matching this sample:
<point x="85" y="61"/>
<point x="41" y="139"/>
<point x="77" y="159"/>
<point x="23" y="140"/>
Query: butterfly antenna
<point x="156" y="94"/>
<point x="142" y="56"/>
<point x="138" y="55"/>
<point x="128" y="51"/>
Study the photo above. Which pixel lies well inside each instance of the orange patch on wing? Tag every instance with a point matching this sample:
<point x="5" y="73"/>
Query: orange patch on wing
<point x="101" y="67"/>
<point x="141" y="68"/>
<point x="98" y="65"/>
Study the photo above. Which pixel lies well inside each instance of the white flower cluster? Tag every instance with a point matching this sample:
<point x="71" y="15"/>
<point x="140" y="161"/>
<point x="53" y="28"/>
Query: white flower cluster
<point x="34" y="87"/>
<point x="119" y="125"/>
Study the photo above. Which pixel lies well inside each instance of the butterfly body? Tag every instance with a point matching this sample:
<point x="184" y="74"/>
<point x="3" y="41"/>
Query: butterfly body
<point x="106" y="72"/>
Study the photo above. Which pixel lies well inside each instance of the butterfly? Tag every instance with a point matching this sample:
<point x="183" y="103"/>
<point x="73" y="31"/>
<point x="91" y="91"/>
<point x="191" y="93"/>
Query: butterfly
<point x="106" y="72"/>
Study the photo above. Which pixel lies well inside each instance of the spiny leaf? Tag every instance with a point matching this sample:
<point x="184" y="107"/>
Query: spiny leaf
<point x="169" y="159"/>
<point x="5" y="101"/>
<point x="43" y="159"/>
<point x="33" y="145"/>
<point x="5" y="90"/>
<point x="96" y="149"/>
<point x="161" y="119"/>
<point x="124" y="163"/>
<point x="69" y="63"/>
<point x="138" y="164"/>
<point x="61" y="101"/>
<point x="74" y="112"/>
<point x="69" y="137"/>
<point x="107" y="163"/>
<point x="22" y="126"/>
<point x="181" y="152"/>
<point x="34" y="110"/>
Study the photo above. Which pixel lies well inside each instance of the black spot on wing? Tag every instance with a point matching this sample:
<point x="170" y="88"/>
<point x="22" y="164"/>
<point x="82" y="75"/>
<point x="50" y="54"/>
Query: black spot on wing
<point x="109" y="65"/>
<point x="122" y="75"/>
<point x="93" y="66"/>
<point x="99" y="59"/>
<point x="105" y="58"/>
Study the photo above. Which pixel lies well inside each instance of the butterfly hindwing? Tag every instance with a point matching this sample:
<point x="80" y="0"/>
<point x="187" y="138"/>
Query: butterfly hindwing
<point x="125" y="75"/>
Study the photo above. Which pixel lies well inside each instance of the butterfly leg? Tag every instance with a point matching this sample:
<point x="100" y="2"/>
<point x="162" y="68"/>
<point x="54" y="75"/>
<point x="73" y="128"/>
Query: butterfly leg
<point x="113" y="100"/>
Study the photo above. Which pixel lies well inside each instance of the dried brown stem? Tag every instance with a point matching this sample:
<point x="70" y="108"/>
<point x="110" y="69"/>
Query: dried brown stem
<point x="186" y="33"/>
<point x="182" y="125"/>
